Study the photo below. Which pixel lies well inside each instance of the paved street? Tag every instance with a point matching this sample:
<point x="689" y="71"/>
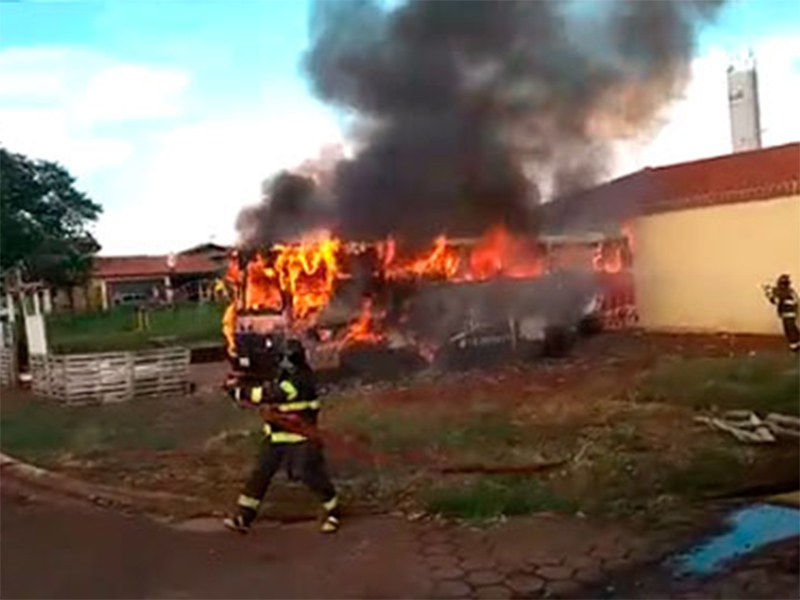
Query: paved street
<point x="59" y="548"/>
<point x="62" y="549"/>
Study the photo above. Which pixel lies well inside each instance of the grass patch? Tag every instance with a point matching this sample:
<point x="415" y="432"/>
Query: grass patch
<point x="766" y="383"/>
<point x="710" y="469"/>
<point x="401" y="427"/>
<point x="492" y="497"/>
<point x="40" y="430"/>
<point x="117" y="329"/>
<point x="33" y="431"/>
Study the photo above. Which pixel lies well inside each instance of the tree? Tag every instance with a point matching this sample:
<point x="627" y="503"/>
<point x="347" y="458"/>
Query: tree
<point x="43" y="221"/>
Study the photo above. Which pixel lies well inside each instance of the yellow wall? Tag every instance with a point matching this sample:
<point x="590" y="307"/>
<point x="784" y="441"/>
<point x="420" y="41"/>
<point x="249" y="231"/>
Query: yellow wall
<point x="702" y="269"/>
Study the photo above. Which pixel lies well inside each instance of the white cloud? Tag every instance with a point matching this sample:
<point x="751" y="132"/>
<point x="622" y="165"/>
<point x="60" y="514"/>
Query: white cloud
<point x="162" y="188"/>
<point x="199" y="176"/>
<point x="131" y="92"/>
<point x="44" y="73"/>
<point x="53" y="99"/>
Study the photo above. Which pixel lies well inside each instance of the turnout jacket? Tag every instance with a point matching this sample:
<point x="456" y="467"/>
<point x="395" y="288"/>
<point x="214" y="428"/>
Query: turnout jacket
<point x="785" y="299"/>
<point x="291" y="403"/>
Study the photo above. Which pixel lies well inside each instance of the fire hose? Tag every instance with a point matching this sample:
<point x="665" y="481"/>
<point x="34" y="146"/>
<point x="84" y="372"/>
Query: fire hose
<point x="376" y="457"/>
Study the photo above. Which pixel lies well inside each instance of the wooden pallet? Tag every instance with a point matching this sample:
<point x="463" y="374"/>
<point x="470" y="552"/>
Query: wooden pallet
<point x="111" y="376"/>
<point x="7" y="366"/>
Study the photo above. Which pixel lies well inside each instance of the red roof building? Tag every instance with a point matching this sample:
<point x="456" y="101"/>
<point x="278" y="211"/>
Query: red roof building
<point x="707" y="235"/>
<point x="742" y="177"/>
<point x="149" y="267"/>
<point x="136" y="279"/>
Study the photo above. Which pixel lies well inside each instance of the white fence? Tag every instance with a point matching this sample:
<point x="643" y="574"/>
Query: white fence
<point x="111" y="376"/>
<point x="7" y="366"/>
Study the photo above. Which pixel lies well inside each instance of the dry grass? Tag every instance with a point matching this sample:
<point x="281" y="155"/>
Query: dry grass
<point x="625" y="427"/>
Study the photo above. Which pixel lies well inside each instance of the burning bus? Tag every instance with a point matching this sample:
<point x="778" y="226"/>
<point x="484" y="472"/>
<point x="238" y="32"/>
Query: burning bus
<point x="517" y="296"/>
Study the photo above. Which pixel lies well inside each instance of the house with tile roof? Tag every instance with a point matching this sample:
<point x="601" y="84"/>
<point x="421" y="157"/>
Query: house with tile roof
<point x="134" y="279"/>
<point x="706" y="235"/>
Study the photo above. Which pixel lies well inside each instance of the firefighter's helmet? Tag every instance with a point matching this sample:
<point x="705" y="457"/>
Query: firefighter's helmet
<point x="784" y="281"/>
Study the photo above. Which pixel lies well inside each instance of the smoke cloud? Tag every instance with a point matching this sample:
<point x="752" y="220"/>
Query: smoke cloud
<point x="467" y="110"/>
<point x="291" y="205"/>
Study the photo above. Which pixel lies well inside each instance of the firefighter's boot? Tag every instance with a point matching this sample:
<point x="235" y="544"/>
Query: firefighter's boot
<point x="332" y="520"/>
<point x="330" y="524"/>
<point x="237" y="523"/>
<point x="248" y="510"/>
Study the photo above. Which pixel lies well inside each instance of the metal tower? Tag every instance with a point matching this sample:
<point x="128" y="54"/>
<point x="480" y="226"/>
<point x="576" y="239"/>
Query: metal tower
<point x="743" y="101"/>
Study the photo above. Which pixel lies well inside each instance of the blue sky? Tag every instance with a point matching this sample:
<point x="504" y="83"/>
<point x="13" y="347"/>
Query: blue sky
<point x="178" y="109"/>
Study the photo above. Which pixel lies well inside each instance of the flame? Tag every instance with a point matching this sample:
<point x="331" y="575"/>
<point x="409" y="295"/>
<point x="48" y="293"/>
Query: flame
<point x="365" y="328"/>
<point x="303" y="273"/>
<point x="263" y="291"/>
<point x="501" y="254"/>
<point x="307" y="272"/>
<point x="302" y="277"/>
<point x="441" y="262"/>
<point x="609" y="257"/>
<point x="229" y="328"/>
<point x="498" y="253"/>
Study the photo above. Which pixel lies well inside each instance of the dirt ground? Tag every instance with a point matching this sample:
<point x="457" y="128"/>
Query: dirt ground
<point x="595" y="433"/>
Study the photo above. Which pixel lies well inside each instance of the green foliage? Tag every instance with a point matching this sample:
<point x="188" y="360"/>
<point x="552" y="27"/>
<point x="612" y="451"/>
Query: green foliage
<point x="492" y="497"/>
<point x="763" y="383"/>
<point x="117" y="329"/>
<point x="43" y="220"/>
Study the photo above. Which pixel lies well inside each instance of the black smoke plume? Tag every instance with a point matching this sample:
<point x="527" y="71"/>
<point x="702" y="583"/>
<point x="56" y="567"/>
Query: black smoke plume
<point x="291" y="205"/>
<point x="467" y="111"/>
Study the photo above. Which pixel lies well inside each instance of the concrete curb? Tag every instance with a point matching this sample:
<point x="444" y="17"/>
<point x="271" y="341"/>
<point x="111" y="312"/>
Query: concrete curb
<point x="96" y="493"/>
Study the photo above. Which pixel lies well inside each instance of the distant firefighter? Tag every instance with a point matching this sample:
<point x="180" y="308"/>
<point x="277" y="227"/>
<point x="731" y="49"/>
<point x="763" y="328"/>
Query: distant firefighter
<point x="783" y="296"/>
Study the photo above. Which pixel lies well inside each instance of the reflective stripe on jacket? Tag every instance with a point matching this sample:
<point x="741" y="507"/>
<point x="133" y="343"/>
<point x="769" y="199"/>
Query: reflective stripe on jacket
<point x="295" y="398"/>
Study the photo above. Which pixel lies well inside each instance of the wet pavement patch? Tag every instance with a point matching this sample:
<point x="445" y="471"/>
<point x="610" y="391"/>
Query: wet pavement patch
<point x="750" y="528"/>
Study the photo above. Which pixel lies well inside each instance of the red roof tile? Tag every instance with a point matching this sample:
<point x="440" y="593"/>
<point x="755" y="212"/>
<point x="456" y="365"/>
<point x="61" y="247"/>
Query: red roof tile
<point x="741" y="177"/>
<point x="137" y="267"/>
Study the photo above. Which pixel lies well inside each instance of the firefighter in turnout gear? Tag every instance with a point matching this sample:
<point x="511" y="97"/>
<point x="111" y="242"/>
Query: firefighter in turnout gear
<point x="783" y="296"/>
<point x="290" y="409"/>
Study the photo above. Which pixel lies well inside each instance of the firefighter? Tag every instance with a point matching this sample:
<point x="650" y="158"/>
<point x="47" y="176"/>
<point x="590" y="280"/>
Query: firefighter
<point x="785" y="298"/>
<point x="291" y="439"/>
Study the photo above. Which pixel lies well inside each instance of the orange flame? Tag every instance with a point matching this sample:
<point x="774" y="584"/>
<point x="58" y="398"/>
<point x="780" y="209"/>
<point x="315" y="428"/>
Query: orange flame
<point x="263" y="291"/>
<point x="305" y="274"/>
<point x="609" y="257"/>
<point x="442" y="262"/>
<point x="308" y="272"/>
<point x="302" y="273"/>
<point x="501" y="254"/>
<point x="229" y="328"/>
<point x="498" y="253"/>
<point x="365" y="328"/>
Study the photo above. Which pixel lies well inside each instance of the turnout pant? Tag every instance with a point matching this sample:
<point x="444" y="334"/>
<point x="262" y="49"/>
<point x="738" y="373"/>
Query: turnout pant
<point x="792" y="333"/>
<point x="303" y="460"/>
